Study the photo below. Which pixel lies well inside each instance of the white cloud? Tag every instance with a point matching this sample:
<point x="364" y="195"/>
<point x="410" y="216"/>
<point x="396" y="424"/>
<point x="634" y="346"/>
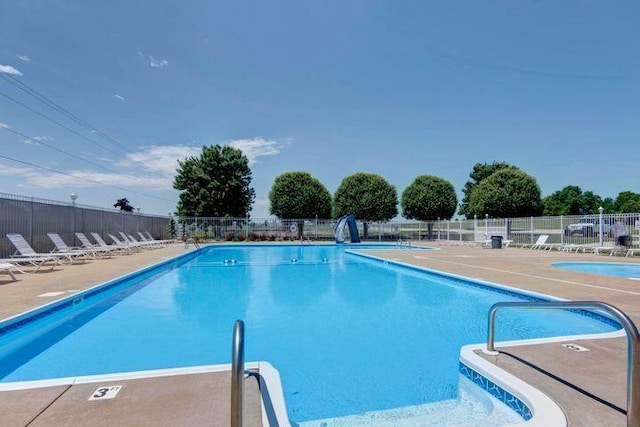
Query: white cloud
<point x="8" y="69"/>
<point x="158" y="63"/>
<point x="37" y="139"/>
<point x="120" y="97"/>
<point x="152" y="168"/>
<point x="4" y="126"/>
<point x="24" y="58"/>
<point x="257" y="147"/>
<point x="160" y="159"/>
<point x="44" y="179"/>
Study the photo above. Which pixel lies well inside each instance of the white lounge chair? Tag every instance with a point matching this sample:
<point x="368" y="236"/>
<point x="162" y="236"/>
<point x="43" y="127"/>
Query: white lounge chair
<point x="142" y="243"/>
<point x="123" y="244"/>
<point x="128" y="238"/>
<point x="541" y="243"/>
<point x="37" y="262"/>
<point x="86" y="243"/>
<point x="24" y="249"/>
<point x="61" y="247"/>
<point x="6" y="267"/>
<point x="98" y="238"/>
<point x="151" y="239"/>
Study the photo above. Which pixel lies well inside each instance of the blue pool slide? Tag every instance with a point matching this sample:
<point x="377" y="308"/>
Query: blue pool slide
<point x="338" y="231"/>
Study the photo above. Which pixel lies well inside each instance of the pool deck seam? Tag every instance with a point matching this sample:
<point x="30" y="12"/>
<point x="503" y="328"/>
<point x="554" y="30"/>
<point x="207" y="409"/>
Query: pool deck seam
<point x="533" y="276"/>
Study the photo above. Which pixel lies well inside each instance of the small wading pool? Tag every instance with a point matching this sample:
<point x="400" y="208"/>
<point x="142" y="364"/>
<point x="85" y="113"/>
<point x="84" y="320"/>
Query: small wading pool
<point x="348" y="334"/>
<point x="628" y="270"/>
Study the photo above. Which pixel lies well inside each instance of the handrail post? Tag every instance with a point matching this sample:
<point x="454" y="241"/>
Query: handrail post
<point x="237" y="374"/>
<point x="633" y="338"/>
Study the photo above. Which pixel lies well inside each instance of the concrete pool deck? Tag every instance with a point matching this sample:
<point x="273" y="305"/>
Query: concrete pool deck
<point x="587" y="385"/>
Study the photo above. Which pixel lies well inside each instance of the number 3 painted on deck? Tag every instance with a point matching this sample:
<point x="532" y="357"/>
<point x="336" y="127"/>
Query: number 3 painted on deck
<point x="100" y="392"/>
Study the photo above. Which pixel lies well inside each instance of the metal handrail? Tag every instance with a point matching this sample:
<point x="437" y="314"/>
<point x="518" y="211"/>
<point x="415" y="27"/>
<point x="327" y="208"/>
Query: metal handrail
<point x="237" y="374"/>
<point x="633" y="353"/>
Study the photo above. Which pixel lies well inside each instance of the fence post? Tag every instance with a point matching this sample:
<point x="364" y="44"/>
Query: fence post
<point x="448" y="226"/>
<point x="486" y="226"/>
<point x="561" y="230"/>
<point x="460" y="228"/>
<point x="532" y="230"/>
<point x="31" y="223"/>
<point x="475" y="226"/>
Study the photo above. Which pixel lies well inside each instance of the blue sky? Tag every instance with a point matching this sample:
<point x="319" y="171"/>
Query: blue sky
<point x="397" y="88"/>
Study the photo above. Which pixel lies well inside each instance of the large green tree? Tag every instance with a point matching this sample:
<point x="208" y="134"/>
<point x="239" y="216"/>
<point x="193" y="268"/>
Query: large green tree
<point x="479" y="172"/>
<point x="506" y="193"/>
<point x="571" y="200"/>
<point x="429" y="198"/>
<point x="627" y="202"/>
<point x="298" y="195"/>
<point x="367" y="196"/>
<point x="217" y="183"/>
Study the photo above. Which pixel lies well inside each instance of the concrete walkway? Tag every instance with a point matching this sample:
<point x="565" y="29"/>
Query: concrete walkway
<point x="179" y="400"/>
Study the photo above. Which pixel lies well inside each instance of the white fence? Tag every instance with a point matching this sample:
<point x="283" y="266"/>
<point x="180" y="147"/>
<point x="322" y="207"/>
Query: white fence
<point x="580" y="230"/>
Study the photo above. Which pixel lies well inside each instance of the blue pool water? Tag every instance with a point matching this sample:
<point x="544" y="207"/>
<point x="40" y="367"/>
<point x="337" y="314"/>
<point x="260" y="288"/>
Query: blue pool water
<point x="347" y="334"/>
<point x="608" y="268"/>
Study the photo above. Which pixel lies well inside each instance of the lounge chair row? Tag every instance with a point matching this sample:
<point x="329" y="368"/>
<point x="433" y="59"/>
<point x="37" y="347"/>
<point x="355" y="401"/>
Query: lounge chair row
<point x="541" y="244"/>
<point x="25" y="255"/>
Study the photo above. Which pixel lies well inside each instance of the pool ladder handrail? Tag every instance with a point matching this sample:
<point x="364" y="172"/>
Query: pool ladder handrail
<point x="191" y="240"/>
<point x="237" y="374"/>
<point x="633" y="353"/>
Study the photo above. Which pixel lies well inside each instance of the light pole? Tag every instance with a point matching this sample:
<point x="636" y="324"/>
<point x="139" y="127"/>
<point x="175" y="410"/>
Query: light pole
<point x="600" y="226"/>
<point x="74" y="197"/>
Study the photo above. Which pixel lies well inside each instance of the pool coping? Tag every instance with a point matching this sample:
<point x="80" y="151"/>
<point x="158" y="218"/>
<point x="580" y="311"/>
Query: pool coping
<point x="274" y="411"/>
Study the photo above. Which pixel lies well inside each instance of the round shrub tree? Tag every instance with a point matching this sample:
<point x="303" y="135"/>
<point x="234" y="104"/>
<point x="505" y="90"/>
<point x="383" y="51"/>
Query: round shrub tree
<point x="298" y="195"/>
<point x="428" y="198"/>
<point x="367" y="196"/>
<point x="507" y="193"/>
<point x="479" y="172"/>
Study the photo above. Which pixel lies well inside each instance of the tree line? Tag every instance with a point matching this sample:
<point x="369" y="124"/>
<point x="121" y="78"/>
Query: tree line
<point x="217" y="183"/>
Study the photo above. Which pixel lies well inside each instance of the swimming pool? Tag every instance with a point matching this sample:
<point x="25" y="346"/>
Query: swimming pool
<point x="347" y="334"/>
<point x="629" y="270"/>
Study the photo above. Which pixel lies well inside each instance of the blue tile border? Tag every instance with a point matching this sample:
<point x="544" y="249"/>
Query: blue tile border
<point x="496" y="391"/>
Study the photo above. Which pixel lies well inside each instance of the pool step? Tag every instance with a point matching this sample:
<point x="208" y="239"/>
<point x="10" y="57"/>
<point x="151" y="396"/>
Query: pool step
<point x="472" y="408"/>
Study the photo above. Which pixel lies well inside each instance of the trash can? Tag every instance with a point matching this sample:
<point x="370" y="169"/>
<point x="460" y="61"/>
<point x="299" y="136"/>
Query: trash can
<point x="496" y="242"/>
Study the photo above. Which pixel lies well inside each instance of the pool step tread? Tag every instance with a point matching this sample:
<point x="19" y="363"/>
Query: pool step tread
<point x="194" y="399"/>
<point x="470" y="409"/>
